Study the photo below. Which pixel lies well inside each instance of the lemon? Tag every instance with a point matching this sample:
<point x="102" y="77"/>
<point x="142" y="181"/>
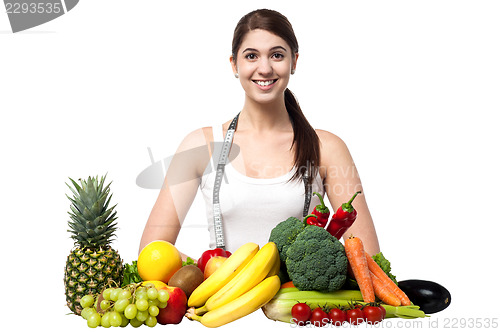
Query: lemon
<point x="159" y="260"/>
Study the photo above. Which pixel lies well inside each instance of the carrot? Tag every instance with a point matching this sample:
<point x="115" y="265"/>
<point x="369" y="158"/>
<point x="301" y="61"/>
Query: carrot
<point x="383" y="293"/>
<point x="356" y="255"/>
<point x="389" y="284"/>
<point x="288" y="284"/>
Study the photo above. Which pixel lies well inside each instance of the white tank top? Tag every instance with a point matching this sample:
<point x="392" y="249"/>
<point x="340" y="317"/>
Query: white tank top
<point x="252" y="207"/>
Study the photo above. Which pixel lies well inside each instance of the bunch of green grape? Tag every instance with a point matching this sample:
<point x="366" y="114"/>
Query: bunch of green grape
<point x="136" y="304"/>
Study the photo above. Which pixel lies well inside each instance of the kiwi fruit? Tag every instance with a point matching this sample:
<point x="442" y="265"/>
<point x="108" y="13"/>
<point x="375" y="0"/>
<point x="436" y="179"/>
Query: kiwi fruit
<point x="187" y="278"/>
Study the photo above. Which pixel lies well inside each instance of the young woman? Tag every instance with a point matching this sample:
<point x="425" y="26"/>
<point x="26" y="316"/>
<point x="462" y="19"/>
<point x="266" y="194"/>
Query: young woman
<point x="275" y="159"/>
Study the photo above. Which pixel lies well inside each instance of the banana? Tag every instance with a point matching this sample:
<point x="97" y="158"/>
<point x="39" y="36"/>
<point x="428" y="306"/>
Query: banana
<point x="227" y="271"/>
<point x="275" y="269"/>
<point x="252" y="274"/>
<point x="241" y="306"/>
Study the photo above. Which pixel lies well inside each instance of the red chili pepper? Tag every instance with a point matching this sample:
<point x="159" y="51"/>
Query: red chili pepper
<point x="343" y="218"/>
<point x="309" y="216"/>
<point x="322" y="213"/>
<point x="205" y="257"/>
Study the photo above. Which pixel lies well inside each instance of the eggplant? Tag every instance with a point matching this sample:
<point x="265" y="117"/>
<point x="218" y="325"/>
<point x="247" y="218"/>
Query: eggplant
<point x="430" y="296"/>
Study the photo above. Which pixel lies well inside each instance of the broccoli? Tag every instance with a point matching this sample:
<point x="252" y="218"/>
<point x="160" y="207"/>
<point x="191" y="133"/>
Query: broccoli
<point x="284" y="234"/>
<point x="316" y="260"/>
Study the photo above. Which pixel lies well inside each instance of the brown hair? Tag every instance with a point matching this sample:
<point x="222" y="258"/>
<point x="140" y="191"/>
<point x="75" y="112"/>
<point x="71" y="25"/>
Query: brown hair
<point x="305" y="139"/>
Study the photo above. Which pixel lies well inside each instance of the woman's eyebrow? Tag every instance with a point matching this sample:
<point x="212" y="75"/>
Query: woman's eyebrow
<point x="249" y="49"/>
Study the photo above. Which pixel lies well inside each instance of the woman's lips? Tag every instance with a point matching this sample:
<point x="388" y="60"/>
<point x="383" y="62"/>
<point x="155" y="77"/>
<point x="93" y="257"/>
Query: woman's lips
<point x="265" y="84"/>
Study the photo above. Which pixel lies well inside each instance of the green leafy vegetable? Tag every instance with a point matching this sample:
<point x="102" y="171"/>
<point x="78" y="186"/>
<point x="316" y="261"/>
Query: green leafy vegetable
<point x="385" y="265"/>
<point x="188" y="261"/>
<point x="130" y="274"/>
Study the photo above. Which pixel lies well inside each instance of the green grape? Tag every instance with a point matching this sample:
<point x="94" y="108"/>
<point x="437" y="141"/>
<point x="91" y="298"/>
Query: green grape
<point x="94" y="320"/>
<point x="153" y="302"/>
<point x="154" y="311"/>
<point x="152" y="293"/>
<point x="107" y="293"/>
<point x="141" y="295"/>
<point x="125" y="321"/>
<point x="125" y="294"/>
<point x="163" y="295"/>
<point x="130" y="311"/>
<point x="115" y="293"/>
<point x="87" y="301"/>
<point x="142" y="305"/>
<point x="135" y="322"/>
<point x="151" y="321"/>
<point x="86" y="312"/>
<point x="121" y="304"/>
<point x="115" y="319"/>
<point x="105" y="304"/>
<point x="142" y="315"/>
<point x="105" y="320"/>
<point x="162" y="305"/>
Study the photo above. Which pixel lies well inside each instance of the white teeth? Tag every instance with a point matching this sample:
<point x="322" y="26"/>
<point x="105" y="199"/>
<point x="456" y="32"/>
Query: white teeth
<point x="264" y="83"/>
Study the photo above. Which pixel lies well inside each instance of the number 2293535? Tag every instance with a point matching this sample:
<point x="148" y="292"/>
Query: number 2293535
<point x="33" y="8"/>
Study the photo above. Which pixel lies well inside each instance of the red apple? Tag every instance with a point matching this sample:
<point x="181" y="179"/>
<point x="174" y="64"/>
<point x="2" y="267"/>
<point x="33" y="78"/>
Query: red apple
<point x="212" y="265"/>
<point x="176" y="307"/>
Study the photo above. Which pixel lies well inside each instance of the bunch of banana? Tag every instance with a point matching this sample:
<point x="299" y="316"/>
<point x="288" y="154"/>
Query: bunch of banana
<point x="245" y="282"/>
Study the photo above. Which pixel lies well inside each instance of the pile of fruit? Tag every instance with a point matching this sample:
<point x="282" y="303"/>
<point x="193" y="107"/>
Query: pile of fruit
<point x="303" y="275"/>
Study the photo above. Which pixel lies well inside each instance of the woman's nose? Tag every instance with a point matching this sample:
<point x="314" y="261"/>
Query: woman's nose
<point x="265" y="67"/>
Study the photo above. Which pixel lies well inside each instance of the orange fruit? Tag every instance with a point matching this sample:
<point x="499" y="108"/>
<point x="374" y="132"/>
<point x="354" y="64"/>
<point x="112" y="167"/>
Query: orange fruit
<point x="159" y="260"/>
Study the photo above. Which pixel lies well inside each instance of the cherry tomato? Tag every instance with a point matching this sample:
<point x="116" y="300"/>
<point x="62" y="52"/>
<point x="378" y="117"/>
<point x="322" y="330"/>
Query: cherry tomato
<point x="319" y="318"/>
<point x="337" y="316"/>
<point x="373" y="315"/>
<point x="383" y="312"/>
<point x="355" y="316"/>
<point x="301" y="313"/>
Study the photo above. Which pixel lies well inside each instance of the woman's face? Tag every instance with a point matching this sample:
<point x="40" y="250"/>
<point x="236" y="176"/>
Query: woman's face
<point x="264" y="64"/>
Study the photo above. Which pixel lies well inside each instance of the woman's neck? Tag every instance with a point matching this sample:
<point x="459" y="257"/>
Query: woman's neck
<point x="264" y="117"/>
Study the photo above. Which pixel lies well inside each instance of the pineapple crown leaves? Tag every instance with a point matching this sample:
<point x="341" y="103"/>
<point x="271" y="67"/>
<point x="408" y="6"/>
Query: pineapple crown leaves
<point x="92" y="222"/>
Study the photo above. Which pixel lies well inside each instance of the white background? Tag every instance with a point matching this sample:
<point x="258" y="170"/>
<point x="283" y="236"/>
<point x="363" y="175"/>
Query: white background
<point x="412" y="87"/>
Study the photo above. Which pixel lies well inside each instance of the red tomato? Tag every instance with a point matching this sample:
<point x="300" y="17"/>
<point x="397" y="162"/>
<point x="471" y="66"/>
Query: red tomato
<point x="373" y="315"/>
<point x="383" y="311"/>
<point x="301" y="313"/>
<point x="319" y="317"/>
<point x="337" y="316"/>
<point x="355" y="316"/>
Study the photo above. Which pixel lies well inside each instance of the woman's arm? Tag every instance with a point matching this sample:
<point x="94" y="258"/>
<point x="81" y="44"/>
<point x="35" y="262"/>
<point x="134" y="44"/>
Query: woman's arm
<point x="178" y="191"/>
<point x="341" y="181"/>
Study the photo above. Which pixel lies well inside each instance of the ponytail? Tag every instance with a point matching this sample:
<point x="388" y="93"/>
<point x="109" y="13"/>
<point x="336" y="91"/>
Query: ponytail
<point x="305" y="140"/>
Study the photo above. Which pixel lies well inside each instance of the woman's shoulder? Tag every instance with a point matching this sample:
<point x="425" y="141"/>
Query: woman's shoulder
<point x="332" y="148"/>
<point x="329" y="140"/>
<point x="198" y="137"/>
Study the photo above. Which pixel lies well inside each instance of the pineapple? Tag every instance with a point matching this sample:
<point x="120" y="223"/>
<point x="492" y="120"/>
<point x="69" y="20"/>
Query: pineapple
<point x="92" y="264"/>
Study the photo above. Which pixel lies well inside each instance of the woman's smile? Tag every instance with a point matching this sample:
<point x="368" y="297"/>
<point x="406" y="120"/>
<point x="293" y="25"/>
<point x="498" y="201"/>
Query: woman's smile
<point x="265" y="84"/>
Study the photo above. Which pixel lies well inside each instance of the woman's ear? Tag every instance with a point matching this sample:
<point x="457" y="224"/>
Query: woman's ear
<point x="294" y="63"/>
<point x="233" y="65"/>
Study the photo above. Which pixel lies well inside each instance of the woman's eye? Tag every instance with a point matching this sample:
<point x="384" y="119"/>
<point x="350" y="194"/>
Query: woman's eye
<point x="251" y="56"/>
<point x="278" y="56"/>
